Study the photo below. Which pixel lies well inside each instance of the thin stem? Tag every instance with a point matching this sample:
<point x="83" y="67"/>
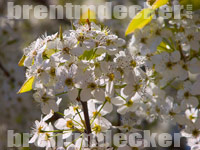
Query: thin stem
<point x="81" y="144"/>
<point x="169" y="83"/>
<point x="61" y="93"/>
<point x="79" y="130"/>
<point x="80" y="116"/>
<point x="98" y="112"/>
<point x="60" y="113"/>
<point x="57" y="135"/>
<point x="74" y="141"/>
<point x="92" y="56"/>
<point x="58" y="130"/>
<point x="120" y="96"/>
<point x="77" y="122"/>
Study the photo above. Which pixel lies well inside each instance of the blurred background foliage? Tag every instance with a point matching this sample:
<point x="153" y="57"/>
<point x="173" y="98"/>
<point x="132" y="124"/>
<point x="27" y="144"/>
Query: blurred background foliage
<point x="18" y="112"/>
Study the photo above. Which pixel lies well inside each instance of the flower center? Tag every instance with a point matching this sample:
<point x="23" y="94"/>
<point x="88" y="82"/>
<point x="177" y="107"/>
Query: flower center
<point x="92" y="86"/>
<point x="133" y="63"/>
<point x="186" y="94"/>
<point x="97" y="65"/>
<point x="69" y="81"/>
<point x="44" y="98"/>
<point x="172" y="113"/>
<point x="70" y="124"/>
<point x="185" y="67"/>
<point x="96" y="113"/>
<point x="137" y="87"/>
<point x="191" y="117"/>
<point x="169" y="65"/>
<point x="129" y="103"/>
<point x="111" y="76"/>
<point x="109" y="42"/>
<point x="195" y="133"/>
<point x="108" y="99"/>
<point x="190" y="37"/>
<point x="53" y="71"/>
<point x="40" y="129"/>
<point x="81" y="38"/>
<point x="47" y="136"/>
<point x="66" y="50"/>
<point x="34" y="53"/>
<point x="75" y="108"/>
<point x="143" y="40"/>
<point x="97" y="128"/>
<point x="39" y="71"/>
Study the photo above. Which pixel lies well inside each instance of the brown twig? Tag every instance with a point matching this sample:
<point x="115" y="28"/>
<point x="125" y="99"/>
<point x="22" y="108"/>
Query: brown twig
<point x="86" y="116"/>
<point x="87" y="121"/>
<point x="7" y="74"/>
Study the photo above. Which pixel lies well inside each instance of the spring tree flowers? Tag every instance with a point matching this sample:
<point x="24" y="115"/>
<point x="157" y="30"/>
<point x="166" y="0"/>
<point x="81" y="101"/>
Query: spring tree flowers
<point x="157" y="78"/>
<point x="86" y="64"/>
<point x="171" y="58"/>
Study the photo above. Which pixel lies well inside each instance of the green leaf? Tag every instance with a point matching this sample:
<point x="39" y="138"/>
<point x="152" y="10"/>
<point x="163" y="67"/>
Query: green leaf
<point x="163" y="47"/>
<point x="159" y="3"/>
<point x="140" y="20"/>
<point x="88" y="55"/>
<point x="27" y="86"/>
<point x="48" y="52"/>
<point x="21" y="62"/>
<point x="144" y="17"/>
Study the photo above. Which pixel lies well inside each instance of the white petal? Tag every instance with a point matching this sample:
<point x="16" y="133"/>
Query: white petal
<point x="118" y="101"/>
<point x="128" y="90"/>
<point x="193" y="101"/>
<point x="108" y="107"/>
<point x="73" y="94"/>
<point x="48" y="116"/>
<point x="85" y="95"/>
<point x="34" y="138"/>
<point x="53" y="105"/>
<point x="196" y="87"/>
<point x="28" y="61"/>
<point x="175" y="56"/>
<point x="99" y="95"/>
<point x="122" y="110"/>
<point x="194" y="66"/>
<point x="45" y="108"/>
<point x="60" y="123"/>
<point x="41" y="142"/>
<point x="66" y="135"/>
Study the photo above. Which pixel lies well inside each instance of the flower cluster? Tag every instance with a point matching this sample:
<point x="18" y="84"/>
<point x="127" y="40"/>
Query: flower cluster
<point x="90" y="66"/>
<point x="156" y="78"/>
<point x="170" y="54"/>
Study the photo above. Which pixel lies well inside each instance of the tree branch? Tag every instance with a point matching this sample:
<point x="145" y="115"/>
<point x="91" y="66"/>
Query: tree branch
<point x="87" y="121"/>
<point x="7" y="74"/>
<point x="86" y="116"/>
